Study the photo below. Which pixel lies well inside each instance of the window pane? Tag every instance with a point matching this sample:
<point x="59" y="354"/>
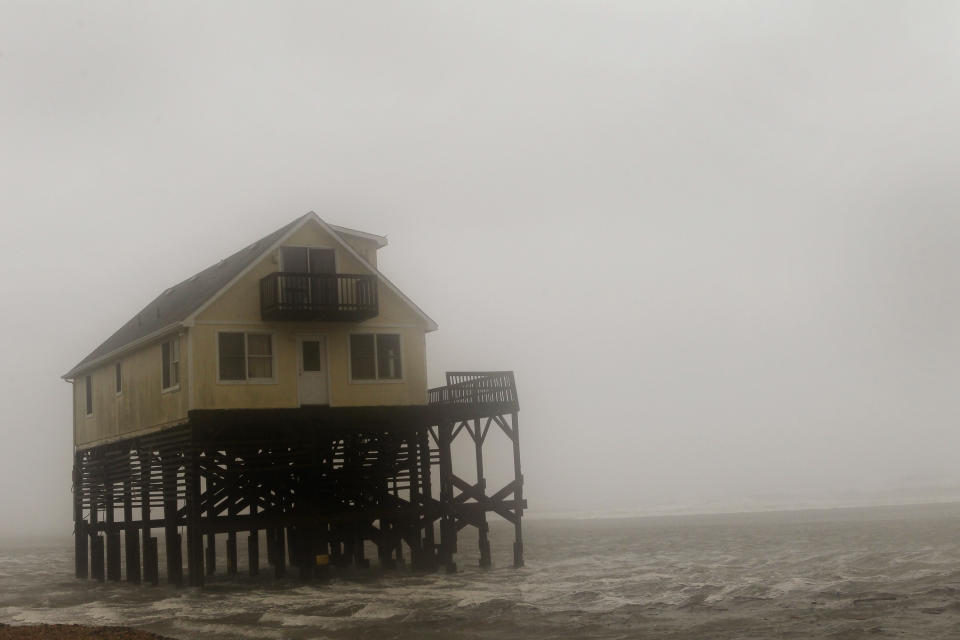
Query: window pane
<point x="260" y="367"/>
<point x="361" y="356"/>
<point x="118" y="378"/>
<point x="89" y="394"/>
<point x="165" y="355"/>
<point x="322" y="261"/>
<point x="311" y="356"/>
<point x="260" y="359"/>
<point x="294" y="259"/>
<point x="388" y="357"/>
<point x="259" y="344"/>
<point x="231" y="356"/>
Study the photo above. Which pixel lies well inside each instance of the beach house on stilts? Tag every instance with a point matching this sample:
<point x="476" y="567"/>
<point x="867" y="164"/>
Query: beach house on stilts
<point x="281" y="395"/>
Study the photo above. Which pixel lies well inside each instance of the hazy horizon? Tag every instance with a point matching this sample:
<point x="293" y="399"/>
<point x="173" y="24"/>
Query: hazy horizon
<point x="718" y="243"/>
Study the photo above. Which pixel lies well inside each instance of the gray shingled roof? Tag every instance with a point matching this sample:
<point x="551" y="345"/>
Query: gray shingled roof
<point x="179" y="301"/>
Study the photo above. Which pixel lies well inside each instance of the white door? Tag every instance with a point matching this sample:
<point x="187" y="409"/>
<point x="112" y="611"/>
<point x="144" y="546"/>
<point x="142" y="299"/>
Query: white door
<point x="312" y="370"/>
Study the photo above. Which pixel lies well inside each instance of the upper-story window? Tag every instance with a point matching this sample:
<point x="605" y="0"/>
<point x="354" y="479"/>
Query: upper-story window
<point x="375" y="356"/>
<point x="118" y="378"/>
<point x="307" y="260"/>
<point x="88" y="393"/>
<point x="245" y="356"/>
<point x="170" y="351"/>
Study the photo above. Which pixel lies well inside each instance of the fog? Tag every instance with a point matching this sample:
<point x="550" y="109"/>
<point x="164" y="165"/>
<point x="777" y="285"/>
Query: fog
<point x="718" y="243"/>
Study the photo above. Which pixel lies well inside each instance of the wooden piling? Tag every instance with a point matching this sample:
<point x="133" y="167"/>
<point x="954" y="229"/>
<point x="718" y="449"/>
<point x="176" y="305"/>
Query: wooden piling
<point x="169" y="467"/>
<point x="271" y="546"/>
<point x="305" y="555"/>
<point x="483" y="542"/>
<point x="518" y="493"/>
<point x="151" y="562"/>
<point x="385" y="545"/>
<point x="253" y="539"/>
<point x="193" y="506"/>
<point x="232" y="510"/>
<point x="253" y="553"/>
<point x="211" y="492"/>
<point x="81" y="539"/>
<point x="131" y="543"/>
<point x="96" y="555"/>
<point x="96" y="558"/>
<point x="279" y="553"/>
<point x="80" y="534"/>
<point x="414" y="535"/>
<point x="359" y="552"/>
<point x="112" y="537"/>
<point x="291" y="534"/>
<point x="448" y="524"/>
<point x="150" y="568"/>
<point x="396" y="527"/>
<point x="429" y="547"/>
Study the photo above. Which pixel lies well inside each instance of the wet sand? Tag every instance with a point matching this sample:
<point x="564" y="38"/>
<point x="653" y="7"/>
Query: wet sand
<point x="73" y="632"/>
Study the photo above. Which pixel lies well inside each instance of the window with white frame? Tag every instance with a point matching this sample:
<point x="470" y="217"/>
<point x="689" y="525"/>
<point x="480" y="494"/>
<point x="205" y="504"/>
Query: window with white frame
<point x="88" y="392"/>
<point x="375" y="356"/>
<point x="245" y="356"/>
<point x="170" y="351"/>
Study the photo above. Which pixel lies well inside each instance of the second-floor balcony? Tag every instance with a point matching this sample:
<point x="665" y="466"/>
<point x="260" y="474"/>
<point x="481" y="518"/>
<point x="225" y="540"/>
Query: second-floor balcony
<point x="331" y="297"/>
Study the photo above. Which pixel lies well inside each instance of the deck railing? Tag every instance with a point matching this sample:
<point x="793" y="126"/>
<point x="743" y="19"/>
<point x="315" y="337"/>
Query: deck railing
<point x="476" y="388"/>
<point x="342" y="297"/>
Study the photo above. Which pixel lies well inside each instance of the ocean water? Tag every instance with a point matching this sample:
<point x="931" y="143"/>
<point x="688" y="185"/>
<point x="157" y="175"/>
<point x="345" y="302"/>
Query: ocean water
<point x="847" y="573"/>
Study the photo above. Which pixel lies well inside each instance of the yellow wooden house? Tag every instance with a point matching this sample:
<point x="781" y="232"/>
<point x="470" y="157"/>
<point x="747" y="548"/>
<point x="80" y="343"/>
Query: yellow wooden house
<point x="281" y="392"/>
<point x="300" y="317"/>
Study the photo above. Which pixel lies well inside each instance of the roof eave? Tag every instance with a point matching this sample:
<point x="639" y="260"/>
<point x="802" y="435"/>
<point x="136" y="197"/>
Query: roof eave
<point x="380" y="241"/>
<point x="128" y="347"/>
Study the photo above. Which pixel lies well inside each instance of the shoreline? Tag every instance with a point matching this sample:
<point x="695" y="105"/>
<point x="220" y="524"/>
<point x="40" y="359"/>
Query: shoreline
<point x="953" y="501"/>
<point x="74" y="632"/>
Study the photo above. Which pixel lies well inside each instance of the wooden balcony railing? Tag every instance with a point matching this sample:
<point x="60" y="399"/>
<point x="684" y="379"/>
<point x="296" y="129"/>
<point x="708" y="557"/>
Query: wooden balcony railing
<point x="477" y="388"/>
<point x="332" y="297"/>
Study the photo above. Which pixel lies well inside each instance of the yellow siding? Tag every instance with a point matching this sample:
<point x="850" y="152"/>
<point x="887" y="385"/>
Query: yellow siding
<point x="238" y="309"/>
<point x="366" y="248"/>
<point x="283" y="392"/>
<point x="241" y="303"/>
<point x="141" y="406"/>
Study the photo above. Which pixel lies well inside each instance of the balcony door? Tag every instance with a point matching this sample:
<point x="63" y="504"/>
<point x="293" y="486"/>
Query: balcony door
<point x="312" y="379"/>
<point x="305" y="285"/>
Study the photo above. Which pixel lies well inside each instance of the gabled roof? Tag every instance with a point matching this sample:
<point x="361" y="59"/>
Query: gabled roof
<point x="177" y="305"/>
<point x="380" y="241"/>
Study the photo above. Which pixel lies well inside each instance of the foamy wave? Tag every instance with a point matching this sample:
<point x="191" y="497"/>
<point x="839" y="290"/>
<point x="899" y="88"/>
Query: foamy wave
<point x="10" y="613"/>
<point x="225" y="630"/>
<point x="103" y="614"/>
<point x="378" y="611"/>
<point x="167" y="604"/>
<point x="300" y="620"/>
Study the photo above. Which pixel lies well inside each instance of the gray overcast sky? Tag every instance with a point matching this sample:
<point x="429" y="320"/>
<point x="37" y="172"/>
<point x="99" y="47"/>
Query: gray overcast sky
<point x="718" y="241"/>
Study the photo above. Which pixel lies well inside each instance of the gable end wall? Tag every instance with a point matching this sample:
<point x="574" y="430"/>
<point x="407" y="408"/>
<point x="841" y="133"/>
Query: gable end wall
<point x="238" y="309"/>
